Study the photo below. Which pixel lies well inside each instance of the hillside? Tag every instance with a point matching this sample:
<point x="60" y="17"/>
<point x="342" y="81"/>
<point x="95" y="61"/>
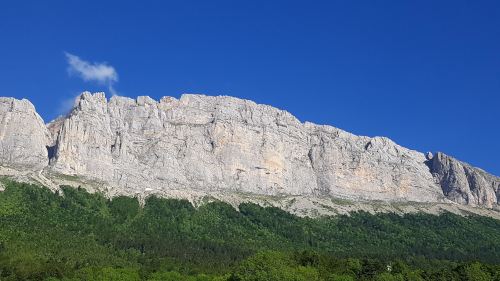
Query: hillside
<point x="75" y="235"/>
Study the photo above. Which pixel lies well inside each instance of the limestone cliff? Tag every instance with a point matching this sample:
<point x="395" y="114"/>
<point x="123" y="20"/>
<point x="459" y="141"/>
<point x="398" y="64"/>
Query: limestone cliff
<point x="23" y="136"/>
<point x="203" y="145"/>
<point x="465" y="184"/>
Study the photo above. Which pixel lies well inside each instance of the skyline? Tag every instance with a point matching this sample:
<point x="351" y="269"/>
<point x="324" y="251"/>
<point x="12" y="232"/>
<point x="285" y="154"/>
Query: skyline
<point x="425" y="75"/>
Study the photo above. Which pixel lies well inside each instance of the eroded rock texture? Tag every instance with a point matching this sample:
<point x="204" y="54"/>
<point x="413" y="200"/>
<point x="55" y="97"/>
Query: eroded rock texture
<point x="465" y="184"/>
<point x="221" y="144"/>
<point x="23" y="136"/>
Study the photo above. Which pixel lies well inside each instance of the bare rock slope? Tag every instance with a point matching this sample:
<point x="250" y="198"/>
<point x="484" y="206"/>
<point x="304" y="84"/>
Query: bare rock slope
<point x="465" y="184"/>
<point x="23" y="136"/>
<point x="227" y="148"/>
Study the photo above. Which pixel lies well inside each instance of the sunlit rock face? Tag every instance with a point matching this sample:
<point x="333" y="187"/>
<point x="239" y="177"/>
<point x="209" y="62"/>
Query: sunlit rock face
<point x="23" y="136"/>
<point x="222" y="144"/>
<point x="196" y="142"/>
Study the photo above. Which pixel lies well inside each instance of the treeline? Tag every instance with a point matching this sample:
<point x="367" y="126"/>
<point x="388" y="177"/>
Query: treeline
<point x="82" y="236"/>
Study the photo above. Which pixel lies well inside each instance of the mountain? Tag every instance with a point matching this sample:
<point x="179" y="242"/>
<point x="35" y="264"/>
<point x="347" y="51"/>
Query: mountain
<point x="204" y="148"/>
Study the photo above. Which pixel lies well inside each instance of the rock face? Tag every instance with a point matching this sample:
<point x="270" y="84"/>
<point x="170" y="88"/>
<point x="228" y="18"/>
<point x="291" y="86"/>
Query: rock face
<point x="229" y="144"/>
<point x="23" y="136"/>
<point x="219" y="145"/>
<point x="465" y="184"/>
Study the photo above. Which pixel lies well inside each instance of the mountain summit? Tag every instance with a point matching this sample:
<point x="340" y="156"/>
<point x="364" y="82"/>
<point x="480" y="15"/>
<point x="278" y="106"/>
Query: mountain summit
<point x="204" y="147"/>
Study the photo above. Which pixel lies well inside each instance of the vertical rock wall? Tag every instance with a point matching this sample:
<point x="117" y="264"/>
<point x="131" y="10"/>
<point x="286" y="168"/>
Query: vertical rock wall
<point x="199" y="144"/>
<point x="23" y="136"/>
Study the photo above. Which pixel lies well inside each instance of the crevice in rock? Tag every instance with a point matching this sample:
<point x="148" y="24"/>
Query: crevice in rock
<point x="368" y="145"/>
<point x="51" y="152"/>
<point x="439" y="174"/>
<point x="310" y="156"/>
<point x="430" y="165"/>
<point x="472" y="186"/>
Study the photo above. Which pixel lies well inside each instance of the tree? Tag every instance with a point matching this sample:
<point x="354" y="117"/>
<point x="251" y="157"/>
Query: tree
<point x="340" y="277"/>
<point x="274" y="266"/>
<point x="474" y="272"/>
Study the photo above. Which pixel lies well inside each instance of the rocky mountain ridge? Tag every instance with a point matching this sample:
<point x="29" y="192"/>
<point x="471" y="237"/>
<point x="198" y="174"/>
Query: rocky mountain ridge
<point x="200" y="147"/>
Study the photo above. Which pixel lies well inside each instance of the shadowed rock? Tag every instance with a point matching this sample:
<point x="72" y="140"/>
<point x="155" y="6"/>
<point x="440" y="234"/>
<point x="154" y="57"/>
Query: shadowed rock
<point x="465" y="184"/>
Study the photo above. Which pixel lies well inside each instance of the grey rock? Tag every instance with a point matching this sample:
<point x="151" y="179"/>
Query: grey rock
<point x="465" y="184"/>
<point x="230" y="149"/>
<point x="429" y="155"/>
<point x="232" y="145"/>
<point x="23" y="135"/>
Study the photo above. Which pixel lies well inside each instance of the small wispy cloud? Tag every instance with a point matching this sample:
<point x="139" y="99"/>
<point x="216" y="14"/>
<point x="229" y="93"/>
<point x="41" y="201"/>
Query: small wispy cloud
<point x="66" y="105"/>
<point x="102" y="72"/>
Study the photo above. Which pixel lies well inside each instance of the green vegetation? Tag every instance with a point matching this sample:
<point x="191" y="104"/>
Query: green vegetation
<point x="82" y="236"/>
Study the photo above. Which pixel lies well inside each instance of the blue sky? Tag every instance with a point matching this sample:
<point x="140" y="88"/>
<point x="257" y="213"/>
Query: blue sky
<point x="424" y="73"/>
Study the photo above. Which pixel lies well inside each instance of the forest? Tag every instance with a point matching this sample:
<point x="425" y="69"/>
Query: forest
<point x="76" y="235"/>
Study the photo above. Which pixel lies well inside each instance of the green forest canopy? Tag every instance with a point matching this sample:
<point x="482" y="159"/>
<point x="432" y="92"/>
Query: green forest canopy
<point x="83" y="236"/>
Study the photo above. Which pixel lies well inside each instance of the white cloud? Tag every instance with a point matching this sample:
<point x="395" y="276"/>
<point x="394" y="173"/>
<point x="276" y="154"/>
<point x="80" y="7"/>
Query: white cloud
<point x="66" y="105"/>
<point x="92" y="71"/>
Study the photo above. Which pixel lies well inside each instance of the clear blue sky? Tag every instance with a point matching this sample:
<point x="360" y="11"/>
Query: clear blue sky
<point x="424" y="73"/>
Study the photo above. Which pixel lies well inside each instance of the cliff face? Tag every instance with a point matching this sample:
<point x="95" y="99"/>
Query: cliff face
<point x="223" y="143"/>
<point x="201" y="144"/>
<point x="23" y="136"/>
<point x="465" y="184"/>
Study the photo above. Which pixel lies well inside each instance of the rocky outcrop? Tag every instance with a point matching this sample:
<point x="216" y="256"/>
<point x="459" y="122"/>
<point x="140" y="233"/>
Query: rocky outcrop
<point x="23" y="136"/>
<point x="202" y="145"/>
<point x="376" y="168"/>
<point x="231" y="145"/>
<point x="465" y="184"/>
